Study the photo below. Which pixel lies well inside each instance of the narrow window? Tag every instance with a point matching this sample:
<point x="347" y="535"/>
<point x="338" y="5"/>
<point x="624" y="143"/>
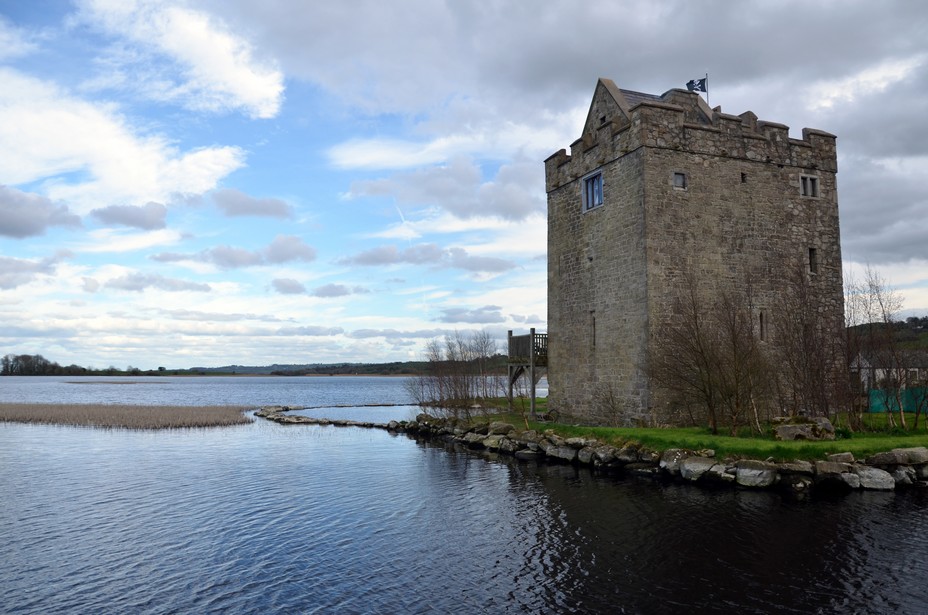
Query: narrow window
<point x="813" y="261"/>
<point x="762" y="326"/>
<point x="808" y="186"/>
<point x="679" y="181"/>
<point x="744" y="178"/>
<point x="593" y="328"/>
<point x="592" y="191"/>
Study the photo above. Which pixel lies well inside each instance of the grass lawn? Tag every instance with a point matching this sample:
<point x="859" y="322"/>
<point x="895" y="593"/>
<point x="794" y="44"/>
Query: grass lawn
<point x="861" y="444"/>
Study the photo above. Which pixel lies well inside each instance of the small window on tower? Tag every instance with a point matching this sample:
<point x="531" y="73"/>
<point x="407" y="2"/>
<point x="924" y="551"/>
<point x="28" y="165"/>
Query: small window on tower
<point x="679" y="181"/>
<point x="813" y="261"/>
<point x="808" y="186"/>
<point x="592" y="191"/>
<point x="744" y="178"/>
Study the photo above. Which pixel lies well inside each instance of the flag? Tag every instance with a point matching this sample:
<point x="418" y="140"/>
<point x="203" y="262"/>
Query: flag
<point x="698" y="85"/>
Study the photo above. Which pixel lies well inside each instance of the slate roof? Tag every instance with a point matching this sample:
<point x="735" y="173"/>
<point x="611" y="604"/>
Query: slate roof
<point x="634" y="97"/>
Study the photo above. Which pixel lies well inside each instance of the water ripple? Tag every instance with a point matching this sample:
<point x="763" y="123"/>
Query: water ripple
<point x="320" y="520"/>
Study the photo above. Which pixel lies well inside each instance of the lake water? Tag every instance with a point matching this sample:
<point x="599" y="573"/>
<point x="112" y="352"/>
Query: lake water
<point x="300" y="518"/>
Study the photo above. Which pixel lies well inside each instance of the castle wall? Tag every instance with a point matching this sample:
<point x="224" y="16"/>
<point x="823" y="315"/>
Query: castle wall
<point x="597" y="324"/>
<point x="739" y="223"/>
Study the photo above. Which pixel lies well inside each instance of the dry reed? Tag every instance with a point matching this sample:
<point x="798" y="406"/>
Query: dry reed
<point x="124" y="416"/>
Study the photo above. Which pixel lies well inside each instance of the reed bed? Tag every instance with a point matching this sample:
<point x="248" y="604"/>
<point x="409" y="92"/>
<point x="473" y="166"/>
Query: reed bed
<point x="124" y="416"/>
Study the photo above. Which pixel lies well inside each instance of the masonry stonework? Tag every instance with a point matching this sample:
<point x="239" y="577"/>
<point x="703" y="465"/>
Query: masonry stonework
<point x="686" y="191"/>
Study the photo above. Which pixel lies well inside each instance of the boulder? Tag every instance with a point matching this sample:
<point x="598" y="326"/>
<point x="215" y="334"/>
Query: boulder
<point x="694" y="468"/>
<point x="797" y="467"/>
<point x="473" y="440"/>
<point x="500" y="428"/>
<point x="904" y="476"/>
<point x="921" y="472"/>
<point x="900" y="456"/>
<point x="566" y="453"/>
<point x="800" y="428"/>
<point x="836" y="474"/>
<point x="492" y="442"/>
<point x="628" y="453"/>
<point x="875" y="478"/>
<point x="751" y="473"/>
<point x="671" y="459"/>
<point x="579" y="443"/>
<point x="842" y="457"/>
<point x="585" y="455"/>
<point x="508" y="445"/>
<point x="604" y="454"/>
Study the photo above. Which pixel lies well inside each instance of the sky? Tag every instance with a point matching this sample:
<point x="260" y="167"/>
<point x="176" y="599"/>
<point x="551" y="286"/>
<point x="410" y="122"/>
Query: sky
<point x="214" y="182"/>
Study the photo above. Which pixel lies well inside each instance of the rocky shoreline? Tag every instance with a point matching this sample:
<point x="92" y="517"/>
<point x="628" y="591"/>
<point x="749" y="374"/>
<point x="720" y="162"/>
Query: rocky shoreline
<point x="887" y="471"/>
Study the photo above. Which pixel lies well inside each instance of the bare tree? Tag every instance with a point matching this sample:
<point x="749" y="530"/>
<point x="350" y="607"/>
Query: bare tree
<point x="809" y="348"/>
<point x="880" y="305"/>
<point x="684" y="361"/>
<point x="709" y="357"/>
<point x="459" y="373"/>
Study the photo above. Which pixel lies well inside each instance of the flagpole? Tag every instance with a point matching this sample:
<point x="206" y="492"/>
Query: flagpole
<point x="707" y="91"/>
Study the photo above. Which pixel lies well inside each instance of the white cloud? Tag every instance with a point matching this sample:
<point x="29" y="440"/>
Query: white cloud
<point x="13" y="42"/>
<point x="874" y="79"/>
<point x="88" y="156"/>
<point x="517" y="190"/>
<point x="115" y="241"/>
<point x="219" y="69"/>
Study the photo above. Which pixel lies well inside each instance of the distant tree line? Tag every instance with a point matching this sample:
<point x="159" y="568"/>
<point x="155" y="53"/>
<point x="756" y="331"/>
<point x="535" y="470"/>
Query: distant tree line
<point x="36" y="365"/>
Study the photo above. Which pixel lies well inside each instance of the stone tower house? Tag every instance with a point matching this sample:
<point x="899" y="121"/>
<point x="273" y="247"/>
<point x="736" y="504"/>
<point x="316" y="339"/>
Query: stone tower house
<point x="662" y="189"/>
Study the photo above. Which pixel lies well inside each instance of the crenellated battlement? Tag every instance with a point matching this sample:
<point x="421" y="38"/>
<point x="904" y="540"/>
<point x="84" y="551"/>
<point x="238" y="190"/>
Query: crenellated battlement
<point x="621" y="121"/>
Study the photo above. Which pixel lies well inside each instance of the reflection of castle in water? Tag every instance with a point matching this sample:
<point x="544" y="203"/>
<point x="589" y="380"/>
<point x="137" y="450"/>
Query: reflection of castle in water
<point x="592" y="543"/>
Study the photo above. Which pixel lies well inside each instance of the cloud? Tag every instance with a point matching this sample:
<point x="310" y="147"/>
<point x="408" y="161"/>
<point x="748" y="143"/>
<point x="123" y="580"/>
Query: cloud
<point x="284" y="249"/>
<point x="150" y="216"/>
<point x="236" y="203"/>
<point x="311" y="331"/>
<point x="200" y="316"/>
<point x="429" y="254"/>
<point x="18" y="272"/>
<point x="393" y="334"/>
<point x="219" y="68"/>
<point x="23" y="214"/>
<point x="111" y="240"/>
<point x="288" y="248"/>
<point x="90" y="285"/>
<point x="86" y="154"/>
<point x="288" y="286"/>
<point x="484" y="315"/>
<point x="140" y="281"/>
<point x="457" y="187"/>
<point x="337" y="290"/>
<point x="13" y="42"/>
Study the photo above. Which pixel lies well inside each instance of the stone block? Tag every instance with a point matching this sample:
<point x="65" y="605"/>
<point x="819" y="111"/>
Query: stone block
<point x="750" y="473"/>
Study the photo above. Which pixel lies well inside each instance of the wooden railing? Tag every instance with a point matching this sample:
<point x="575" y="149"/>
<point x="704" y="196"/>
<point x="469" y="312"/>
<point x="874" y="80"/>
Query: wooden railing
<point x="528" y="349"/>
